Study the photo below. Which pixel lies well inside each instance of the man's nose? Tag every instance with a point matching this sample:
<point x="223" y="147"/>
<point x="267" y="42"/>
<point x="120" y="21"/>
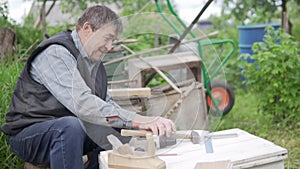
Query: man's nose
<point x="109" y="45"/>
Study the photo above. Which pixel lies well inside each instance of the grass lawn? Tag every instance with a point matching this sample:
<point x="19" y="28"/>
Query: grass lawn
<point x="245" y="116"/>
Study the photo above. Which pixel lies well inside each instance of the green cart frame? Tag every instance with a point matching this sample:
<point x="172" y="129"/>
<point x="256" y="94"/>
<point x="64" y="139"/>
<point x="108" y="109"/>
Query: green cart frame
<point x="220" y="95"/>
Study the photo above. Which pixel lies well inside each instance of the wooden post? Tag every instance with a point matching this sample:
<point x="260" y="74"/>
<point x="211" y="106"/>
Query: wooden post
<point x="8" y="42"/>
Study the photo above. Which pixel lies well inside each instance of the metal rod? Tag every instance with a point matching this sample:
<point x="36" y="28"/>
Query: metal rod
<point x="120" y="81"/>
<point x="188" y="29"/>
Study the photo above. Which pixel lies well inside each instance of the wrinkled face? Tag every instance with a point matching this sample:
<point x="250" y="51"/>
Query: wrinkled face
<point x="98" y="42"/>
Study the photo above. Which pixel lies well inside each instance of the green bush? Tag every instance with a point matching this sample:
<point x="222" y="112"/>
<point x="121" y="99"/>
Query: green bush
<point x="275" y="76"/>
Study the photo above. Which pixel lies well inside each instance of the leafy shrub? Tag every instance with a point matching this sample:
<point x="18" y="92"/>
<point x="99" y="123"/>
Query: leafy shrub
<point x="275" y="75"/>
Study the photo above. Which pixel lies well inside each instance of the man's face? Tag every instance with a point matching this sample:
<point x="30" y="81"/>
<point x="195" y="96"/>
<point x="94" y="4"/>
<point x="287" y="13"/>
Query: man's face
<point x="99" y="42"/>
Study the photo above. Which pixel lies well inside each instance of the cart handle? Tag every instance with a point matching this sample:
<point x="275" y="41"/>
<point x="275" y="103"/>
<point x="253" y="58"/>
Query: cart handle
<point x="189" y="28"/>
<point x="223" y="62"/>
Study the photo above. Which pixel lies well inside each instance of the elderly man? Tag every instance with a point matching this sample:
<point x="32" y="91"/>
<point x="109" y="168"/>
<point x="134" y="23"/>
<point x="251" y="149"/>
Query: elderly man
<point x="62" y="94"/>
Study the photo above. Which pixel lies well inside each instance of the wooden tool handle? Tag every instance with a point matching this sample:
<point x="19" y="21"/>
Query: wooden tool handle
<point x="182" y="135"/>
<point x="125" y="132"/>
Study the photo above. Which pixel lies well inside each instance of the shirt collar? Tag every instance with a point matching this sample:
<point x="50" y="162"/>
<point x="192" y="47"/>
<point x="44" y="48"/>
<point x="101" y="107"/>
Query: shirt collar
<point x="78" y="44"/>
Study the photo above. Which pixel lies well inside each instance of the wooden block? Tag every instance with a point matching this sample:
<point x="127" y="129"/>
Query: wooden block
<point x="127" y="92"/>
<point x="30" y="166"/>
<point x="134" y="162"/>
<point x="214" y="165"/>
<point x="125" y="149"/>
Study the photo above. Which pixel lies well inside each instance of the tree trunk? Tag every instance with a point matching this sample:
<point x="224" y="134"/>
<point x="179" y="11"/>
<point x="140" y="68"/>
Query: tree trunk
<point x="8" y="42"/>
<point x="39" y="19"/>
<point x="43" y="17"/>
<point x="285" y="22"/>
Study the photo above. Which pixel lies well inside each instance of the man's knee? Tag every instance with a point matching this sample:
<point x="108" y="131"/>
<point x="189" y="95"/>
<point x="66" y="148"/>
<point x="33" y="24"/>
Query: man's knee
<point x="70" y="125"/>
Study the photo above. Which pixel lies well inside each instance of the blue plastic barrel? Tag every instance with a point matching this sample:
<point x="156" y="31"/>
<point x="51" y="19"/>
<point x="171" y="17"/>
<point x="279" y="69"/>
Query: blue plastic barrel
<point x="248" y="34"/>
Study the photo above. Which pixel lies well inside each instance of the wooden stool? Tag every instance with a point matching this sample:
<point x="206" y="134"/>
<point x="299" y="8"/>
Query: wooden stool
<point x="31" y="166"/>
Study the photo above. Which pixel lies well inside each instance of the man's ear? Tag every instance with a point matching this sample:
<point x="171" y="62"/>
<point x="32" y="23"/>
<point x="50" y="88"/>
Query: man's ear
<point x="87" y="28"/>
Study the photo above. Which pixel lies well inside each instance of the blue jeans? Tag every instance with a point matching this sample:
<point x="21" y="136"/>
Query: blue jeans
<point x="60" y="143"/>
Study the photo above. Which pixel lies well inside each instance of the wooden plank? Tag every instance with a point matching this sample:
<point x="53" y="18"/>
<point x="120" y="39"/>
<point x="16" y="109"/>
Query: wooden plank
<point x="214" y="165"/>
<point x="244" y="151"/>
<point x="164" y="61"/>
<point x="128" y="92"/>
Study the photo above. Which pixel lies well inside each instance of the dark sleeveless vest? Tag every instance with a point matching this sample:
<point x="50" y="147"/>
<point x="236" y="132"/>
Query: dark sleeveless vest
<point x="33" y="103"/>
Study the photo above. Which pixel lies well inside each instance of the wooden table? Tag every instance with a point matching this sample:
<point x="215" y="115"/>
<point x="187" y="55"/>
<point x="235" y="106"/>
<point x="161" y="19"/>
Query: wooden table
<point x="244" y="151"/>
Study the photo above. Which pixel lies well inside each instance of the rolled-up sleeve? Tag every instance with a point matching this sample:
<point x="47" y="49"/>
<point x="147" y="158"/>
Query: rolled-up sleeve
<point x="56" y="69"/>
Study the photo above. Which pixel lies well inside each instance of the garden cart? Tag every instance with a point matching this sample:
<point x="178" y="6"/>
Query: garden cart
<point x="181" y="93"/>
<point x="220" y="94"/>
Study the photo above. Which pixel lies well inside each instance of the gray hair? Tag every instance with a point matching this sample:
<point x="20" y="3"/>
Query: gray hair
<point x="98" y="16"/>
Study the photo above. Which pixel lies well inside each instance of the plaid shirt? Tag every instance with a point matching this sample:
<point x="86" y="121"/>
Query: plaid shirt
<point x="56" y="69"/>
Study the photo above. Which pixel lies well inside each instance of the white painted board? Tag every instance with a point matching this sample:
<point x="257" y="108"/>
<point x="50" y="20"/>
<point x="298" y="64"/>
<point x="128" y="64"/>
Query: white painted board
<point x="244" y="151"/>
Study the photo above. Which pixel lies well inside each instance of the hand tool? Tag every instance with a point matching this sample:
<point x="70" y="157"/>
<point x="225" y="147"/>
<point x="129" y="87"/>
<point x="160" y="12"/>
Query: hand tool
<point x="160" y="141"/>
<point x="186" y="134"/>
<point x="209" y="136"/>
<point x="196" y="138"/>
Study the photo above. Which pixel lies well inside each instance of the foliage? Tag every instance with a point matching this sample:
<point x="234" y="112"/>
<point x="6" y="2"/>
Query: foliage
<point x="9" y="72"/>
<point x="261" y="10"/>
<point x="275" y="75"/>
<point x="294" y="10"/>
<point x="27" y="37"/>
<point x="266" y="11"/>
<point x="233" y="16"/>
<point x="145" y="41"/>
<point x="245" y="116"/>
<point x="248" y="10"/>
<point x="3" y="11"/>
<point x="227" y="29"/>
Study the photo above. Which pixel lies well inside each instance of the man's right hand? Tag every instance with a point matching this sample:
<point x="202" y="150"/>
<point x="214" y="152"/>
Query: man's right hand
<point x="158" y="125"/>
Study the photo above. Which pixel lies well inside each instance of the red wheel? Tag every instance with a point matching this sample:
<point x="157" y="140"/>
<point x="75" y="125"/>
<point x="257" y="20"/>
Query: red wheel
<point x="223" y="95"/>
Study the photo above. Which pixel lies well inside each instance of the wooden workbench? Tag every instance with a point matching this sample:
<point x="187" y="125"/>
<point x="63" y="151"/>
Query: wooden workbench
<point x="244" y="151"/>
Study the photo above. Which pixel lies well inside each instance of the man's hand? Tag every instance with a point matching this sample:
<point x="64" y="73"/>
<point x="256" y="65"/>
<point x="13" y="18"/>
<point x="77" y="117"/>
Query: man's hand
<point x="158" y="125"/>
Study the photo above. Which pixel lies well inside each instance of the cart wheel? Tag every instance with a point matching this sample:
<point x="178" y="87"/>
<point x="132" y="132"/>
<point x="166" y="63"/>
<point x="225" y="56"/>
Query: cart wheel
<point x="223" y="94"/>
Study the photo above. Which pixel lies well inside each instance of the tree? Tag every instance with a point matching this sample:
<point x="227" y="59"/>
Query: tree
<point x="42" y="17"/>
<point x="263" y="11"/>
